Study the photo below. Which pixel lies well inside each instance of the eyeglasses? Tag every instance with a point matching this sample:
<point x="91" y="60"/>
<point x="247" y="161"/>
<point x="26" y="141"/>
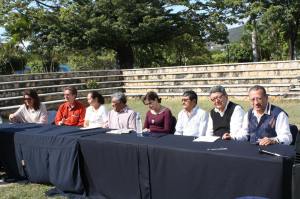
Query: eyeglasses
<point x="216" y="98"/>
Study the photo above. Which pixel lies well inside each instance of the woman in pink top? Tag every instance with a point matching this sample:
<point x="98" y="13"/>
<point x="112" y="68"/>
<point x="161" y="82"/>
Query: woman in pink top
<point x="158" y="118"/>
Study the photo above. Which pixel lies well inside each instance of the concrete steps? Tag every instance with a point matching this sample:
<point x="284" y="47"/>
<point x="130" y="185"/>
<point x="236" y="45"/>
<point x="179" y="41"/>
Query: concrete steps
<point x="234" y="89"/>
<point x="213" y="74"/>
<point x="213" y="81"/>
<point x="281" y="80"/>
<point x="216" y="67"/>
<point x="56" y="88"/>
<point x="49" y="97"/>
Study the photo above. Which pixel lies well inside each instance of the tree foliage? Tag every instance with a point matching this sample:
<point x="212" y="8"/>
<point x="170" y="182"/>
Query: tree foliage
<point x="53" y="27"/>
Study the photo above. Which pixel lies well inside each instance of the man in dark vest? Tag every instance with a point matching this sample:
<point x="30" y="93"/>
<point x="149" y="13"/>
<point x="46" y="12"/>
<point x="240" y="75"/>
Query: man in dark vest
<point x="226" y="118"/>
<point x="265" y="123"/>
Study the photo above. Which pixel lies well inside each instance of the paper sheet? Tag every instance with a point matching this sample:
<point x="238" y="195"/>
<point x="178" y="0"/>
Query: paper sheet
<point x="119" y="131"/>
<point x="206" y="139"/>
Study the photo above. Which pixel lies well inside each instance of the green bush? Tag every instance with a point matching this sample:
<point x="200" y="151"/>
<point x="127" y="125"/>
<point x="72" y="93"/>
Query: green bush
<point x="91" y="84"/>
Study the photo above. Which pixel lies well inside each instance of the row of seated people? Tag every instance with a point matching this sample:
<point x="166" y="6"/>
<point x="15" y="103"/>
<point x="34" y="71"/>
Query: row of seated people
<point x="264" y="123"/>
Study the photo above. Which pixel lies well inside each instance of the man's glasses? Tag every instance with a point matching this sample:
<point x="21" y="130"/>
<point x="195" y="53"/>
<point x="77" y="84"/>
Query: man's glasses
<point x="216" y="98"/>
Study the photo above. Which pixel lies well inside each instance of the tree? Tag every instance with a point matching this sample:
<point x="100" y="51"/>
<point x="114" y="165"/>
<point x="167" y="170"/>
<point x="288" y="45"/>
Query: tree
<point x="119" y="25"/>
<point x="281" y="16"/>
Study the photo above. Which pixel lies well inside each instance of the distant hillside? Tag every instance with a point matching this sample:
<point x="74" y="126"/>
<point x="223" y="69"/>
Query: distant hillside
<point x="235" y="34"/>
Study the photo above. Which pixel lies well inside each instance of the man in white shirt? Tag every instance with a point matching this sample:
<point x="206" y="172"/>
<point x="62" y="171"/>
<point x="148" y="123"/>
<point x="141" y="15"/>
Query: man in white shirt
<point x="225" y="119"/>
<point x="265" y="123"/>
<point x="192" y="120"/>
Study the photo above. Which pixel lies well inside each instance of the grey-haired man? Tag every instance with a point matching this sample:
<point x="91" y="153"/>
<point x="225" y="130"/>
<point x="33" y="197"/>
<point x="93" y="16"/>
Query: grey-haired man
<point x="226" y="118"/>
<point x="121" y="116"/>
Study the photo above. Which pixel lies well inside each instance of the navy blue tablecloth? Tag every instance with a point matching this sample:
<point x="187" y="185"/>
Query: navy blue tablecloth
<point x="175" y="167"/>
<point x="155" y="166"/>
<point x="43" y="154"/>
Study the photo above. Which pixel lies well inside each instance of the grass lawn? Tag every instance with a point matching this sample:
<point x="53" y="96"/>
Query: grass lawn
<point x="292" y="107"/>
<point x="35" y="191"/>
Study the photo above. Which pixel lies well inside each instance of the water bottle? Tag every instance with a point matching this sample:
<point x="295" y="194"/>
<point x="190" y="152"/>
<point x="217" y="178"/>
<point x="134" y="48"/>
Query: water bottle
<point x="139" y="127"/>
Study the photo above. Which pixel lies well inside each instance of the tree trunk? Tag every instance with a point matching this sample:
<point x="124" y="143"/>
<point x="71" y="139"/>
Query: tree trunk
<point x="125" y="58"/>
<point x="292" y="34"/>
<point x="254" y="42"/>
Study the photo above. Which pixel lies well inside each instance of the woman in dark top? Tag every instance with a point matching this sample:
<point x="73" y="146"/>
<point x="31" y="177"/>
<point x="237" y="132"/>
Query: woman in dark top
<point x="158" y="118"/>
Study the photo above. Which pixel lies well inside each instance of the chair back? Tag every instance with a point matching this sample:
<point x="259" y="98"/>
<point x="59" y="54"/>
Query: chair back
<point x="51" y="117"/>
<point x="173" y="124"/>
<point x="294" y="132"/>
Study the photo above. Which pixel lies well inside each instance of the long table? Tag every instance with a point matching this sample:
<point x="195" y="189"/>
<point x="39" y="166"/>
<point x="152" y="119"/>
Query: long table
<point x="155" y="166"/>
<point x="127" y="166"/>
<point x="43" y="154"/>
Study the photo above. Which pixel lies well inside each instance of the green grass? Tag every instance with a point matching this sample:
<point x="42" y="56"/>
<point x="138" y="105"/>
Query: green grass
<point x="292" y="107"/>
<point x="24" y="191"/>
<point x="34" y="191"/>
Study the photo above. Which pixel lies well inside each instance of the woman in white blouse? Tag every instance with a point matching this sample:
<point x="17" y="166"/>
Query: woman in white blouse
<point x="32" y="111"/>
<point x="96" y="114"/>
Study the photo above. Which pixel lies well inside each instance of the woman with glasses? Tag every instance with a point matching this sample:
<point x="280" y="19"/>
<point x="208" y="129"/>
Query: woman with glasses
<point x="32" y="111"/>
<point x="159" y="118"/>
<point x="96" y="114"/>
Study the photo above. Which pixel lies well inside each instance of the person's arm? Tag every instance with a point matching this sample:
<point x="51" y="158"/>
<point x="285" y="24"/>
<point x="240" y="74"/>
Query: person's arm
<point x="146" y="124"/>
<point x="59" y="115"/>
<point x="179" y="125"/>
<point x="242" y="134"/>
<point x="81" y="116"/>
<point x="210" y="130"/>
<point x="236" y="123"/>
<point x="44" y="114"/>
<point x="14" y="117"/>
<point x="86" y="118"/>
<point x="203" y="124"/>
<point x="131" y="120"/>
<point x="283" y="132"/>
<point x="166" y="116"/>
<point x="104" y="114"/>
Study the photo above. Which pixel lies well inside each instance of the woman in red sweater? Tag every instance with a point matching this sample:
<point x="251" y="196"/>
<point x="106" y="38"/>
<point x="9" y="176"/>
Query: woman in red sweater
<point x="158" y="118"/>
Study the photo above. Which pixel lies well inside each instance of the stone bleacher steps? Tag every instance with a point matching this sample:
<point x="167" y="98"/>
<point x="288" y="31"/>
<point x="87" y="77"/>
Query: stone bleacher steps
<point x="281" y="79"/>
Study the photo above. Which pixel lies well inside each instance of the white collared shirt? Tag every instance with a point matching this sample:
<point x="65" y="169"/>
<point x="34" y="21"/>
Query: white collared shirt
<point x="235" y="121"/>
<point x="96" y="118"/>
<point x="193" y="125"/>
<point x="282" y="126"/>
<point x="27" y="115"/>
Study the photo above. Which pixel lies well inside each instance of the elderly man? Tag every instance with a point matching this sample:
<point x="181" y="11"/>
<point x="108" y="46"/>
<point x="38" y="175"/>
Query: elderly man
<point x="226" y="118"/>
<point x="265" y="123"/>
<point x="72" y="112"/>
<point x="121" y="116"/>
<point x="192" y="120"/>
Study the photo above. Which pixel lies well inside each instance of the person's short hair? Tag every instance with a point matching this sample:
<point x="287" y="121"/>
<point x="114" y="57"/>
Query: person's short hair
<point x="72" y="89"/>
<point x="191" y="94"/>
<point x="258" y="87"/>
<point x="151" y="95"/>
<point x="95" y="94"/>
<point x="120" y="97"/>
<point x="218" y="89"/>
<point x="33" y="94"/>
